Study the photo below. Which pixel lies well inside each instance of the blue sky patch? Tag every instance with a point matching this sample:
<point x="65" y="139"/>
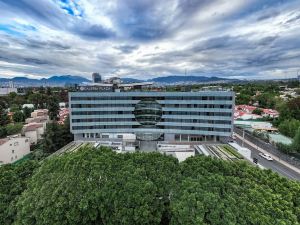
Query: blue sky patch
<point x="10" y="30"/>
<point x="70" y="7"/>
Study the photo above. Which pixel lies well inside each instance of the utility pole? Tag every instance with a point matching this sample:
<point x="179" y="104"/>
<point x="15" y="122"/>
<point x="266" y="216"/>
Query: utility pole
<point x="243" y="138"/>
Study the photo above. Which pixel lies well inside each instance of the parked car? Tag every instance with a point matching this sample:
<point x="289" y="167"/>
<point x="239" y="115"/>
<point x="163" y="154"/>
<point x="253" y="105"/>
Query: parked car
<point x="266" y="156"/>
<point x="234" y="136"/>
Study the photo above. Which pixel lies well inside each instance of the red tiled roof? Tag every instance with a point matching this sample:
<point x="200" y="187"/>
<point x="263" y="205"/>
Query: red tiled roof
<point x="271" y="111"/>
<point x="32" y="127"/>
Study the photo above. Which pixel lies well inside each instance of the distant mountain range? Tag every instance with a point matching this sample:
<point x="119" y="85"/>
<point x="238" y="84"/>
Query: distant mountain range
<point x="189" y="79"/>
<point x="51" y="81"/>
<point x="69" y="79"/>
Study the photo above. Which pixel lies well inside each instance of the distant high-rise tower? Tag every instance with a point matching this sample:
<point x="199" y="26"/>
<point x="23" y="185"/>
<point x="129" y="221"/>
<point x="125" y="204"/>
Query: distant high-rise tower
<point x="11" y="84"/>
<point x="96" y="78"/>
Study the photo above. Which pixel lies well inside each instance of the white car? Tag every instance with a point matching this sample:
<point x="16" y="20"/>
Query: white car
<point x="266" y="156"/>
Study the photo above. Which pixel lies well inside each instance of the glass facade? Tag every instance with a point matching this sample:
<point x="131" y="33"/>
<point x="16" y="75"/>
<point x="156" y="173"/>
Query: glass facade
<point x="148" y="112"/>
<point x="151" y="115"/>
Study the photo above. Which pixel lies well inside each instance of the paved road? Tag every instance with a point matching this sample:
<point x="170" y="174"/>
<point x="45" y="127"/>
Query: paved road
<point x="273" y="165"/>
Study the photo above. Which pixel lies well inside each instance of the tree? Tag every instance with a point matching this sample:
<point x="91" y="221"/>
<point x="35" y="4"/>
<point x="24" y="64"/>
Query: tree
<point x="295" y="146"/>
<point x="217" y="192"/>
<point x="242" y="99"/>
<point x="4" y="119"/>
<point x="3" y="132"/>
<point x="27" y="112"/>
<point x="289" y="111"/>
<point x="41" y="90"/>
<point x="53" y="108"/>
<point x="294" y="108"/>
<point x="37" y="151"/>
<point x="266" y="100"/>
<point x="13" y="181"/>
<point x="14" y="108"/>
<point x="56" y="136"/>
<point x="36" y="99"/>
<point x="63" y="96"/>
<point x="11" y="99"/>
<point x="48" y="91"/>
<point x="66" y="133"/>
<point x="257" y="111"/>
<point x="18" y="117"/>
<point x="99" y="186"/>
<point x="52" y="139"/>
<point x="289" y="127"/>
<point x="287" y="149"/>
<point x="13" y="128"/>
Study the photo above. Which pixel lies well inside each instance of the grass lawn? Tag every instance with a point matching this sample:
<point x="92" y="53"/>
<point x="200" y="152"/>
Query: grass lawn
<point x="231" y="151"/>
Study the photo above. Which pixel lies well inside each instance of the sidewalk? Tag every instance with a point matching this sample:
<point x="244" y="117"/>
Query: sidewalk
<point x="273" y="156"/>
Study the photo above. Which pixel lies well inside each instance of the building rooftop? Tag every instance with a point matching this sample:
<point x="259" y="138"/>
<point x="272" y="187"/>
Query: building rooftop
<point x="31" y="127"/>
<point x="38" y="119"/>
<point x="4" y="140"/>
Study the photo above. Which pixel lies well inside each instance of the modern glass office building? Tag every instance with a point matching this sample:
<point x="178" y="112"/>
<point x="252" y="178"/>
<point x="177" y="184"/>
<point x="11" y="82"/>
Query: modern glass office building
<point x="165" y="116"/>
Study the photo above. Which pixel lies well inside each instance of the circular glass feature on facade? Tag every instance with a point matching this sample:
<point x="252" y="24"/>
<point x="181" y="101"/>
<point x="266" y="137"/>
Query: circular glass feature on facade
<point x="148" y="112"/>
<point x="148" y="136"/>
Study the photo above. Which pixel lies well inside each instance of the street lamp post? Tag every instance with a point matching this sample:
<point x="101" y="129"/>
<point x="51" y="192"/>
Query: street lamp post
<point x="243" y="138"/>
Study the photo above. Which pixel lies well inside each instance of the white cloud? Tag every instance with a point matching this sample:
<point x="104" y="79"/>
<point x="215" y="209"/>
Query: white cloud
<point x="150" y="38"/>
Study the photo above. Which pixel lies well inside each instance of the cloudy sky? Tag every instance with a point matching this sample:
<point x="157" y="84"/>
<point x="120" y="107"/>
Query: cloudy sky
<point x="148" y="38"/>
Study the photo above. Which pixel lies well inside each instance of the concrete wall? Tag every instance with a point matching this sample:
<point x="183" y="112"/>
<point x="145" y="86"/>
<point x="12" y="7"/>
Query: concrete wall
<point x="169" y="137"/>
<point x="32" y="135"/>
<point x="14" y="149"/>
<point x="40" y="132"/>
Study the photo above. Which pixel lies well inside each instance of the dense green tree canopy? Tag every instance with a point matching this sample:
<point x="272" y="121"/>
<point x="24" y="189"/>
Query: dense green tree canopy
<point x="13" y="128"/>
<point x="4" y="119"/>
<point x="53" y="107"/>
<point x="257" y="111"/>
<point x="289" y="127"/>
<point x="27" y="112"/>
<point x="14" y="108"/>
<point x="266" y="100"/>
<point x="218" y="192"/>
<point x="294" y="108"/>
<point x="295" y="146"/>
<point x="10" y="129"/>
<point x="56" y="136"/>
<point x="98" y="186"/>
<point x="13" y="179"/>
<point x="18" y="116"/>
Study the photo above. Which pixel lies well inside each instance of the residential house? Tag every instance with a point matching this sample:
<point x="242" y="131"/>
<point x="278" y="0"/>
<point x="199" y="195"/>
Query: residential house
<point x="13" y="148"/>
<point x="33" y="131"/>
